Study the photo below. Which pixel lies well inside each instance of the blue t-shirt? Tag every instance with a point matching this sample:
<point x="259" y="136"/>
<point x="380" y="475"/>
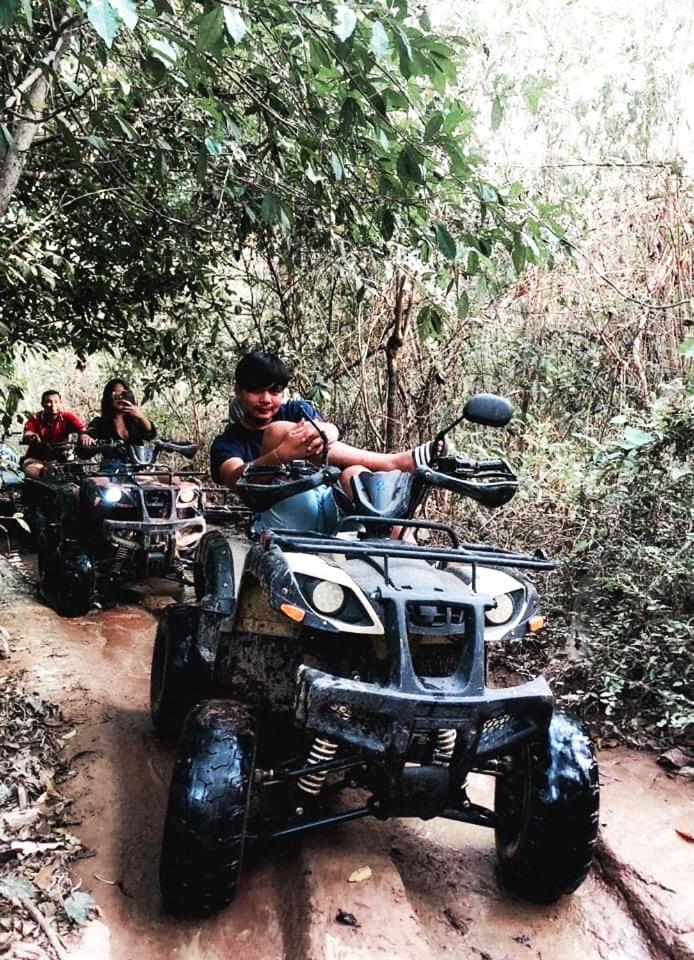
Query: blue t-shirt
<point x="239" y="442"/>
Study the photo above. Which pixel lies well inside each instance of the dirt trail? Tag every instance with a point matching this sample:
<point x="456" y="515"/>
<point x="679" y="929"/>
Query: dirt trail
<point x="433" y="890"/>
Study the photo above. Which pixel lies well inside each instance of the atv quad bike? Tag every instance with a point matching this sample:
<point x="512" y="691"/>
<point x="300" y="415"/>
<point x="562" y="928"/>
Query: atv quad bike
<point x="97" y="527"/>
<point x="359" y="660"/>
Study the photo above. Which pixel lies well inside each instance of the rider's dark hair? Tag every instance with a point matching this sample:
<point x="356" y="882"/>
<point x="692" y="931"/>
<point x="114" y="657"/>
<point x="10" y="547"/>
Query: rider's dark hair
<point x="48" y="393"/>
<point x="107" y="399"/>
<point x="257" y="370"/>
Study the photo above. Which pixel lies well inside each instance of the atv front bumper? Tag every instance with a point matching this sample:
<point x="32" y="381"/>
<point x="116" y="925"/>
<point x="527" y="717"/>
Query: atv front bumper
<point x="382" y="721"/>
<point x="159" y="535"/>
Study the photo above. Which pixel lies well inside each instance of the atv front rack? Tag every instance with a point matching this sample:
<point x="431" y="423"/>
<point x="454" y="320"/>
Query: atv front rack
<point x="470" y="554"/>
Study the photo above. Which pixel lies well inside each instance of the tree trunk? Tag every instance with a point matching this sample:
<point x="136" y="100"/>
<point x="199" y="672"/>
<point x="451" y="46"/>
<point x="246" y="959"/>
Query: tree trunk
<point x="29" y="101"/>
<point x="401" y="320"/>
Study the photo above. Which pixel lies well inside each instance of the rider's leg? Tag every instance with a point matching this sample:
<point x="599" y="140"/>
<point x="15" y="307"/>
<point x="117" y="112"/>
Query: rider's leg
<point x="343" y="455"/>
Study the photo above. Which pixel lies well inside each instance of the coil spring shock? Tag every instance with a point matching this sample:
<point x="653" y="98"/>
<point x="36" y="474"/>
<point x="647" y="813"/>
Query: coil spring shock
<point x="443" y="748"/>
<point x="118" y="561"/>
<point x="321" y="751"/>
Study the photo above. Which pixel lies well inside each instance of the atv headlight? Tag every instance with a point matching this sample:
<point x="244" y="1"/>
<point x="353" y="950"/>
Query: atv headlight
<point x="327" y="597"/>
<point x="112" y="494"/>
<point x="502" y="612"/>
<point x="186" y="494"/>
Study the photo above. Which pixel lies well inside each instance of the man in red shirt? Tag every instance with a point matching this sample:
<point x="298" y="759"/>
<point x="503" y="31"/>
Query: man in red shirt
<point x="51" y="424"/>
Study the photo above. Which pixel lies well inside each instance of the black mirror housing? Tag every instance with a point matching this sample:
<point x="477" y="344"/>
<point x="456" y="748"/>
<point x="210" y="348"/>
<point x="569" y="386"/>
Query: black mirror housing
<point x="488" y="409"/>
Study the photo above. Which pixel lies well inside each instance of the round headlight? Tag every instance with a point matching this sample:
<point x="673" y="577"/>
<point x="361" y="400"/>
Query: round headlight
<point x="186" y="494"/>
<point x="112" y="494"/>
<point x="502" y="612"/>
<point x="327" y="597"/>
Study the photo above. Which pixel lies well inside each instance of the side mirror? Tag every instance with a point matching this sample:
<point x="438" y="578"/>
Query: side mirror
<point x="488" y="409"/>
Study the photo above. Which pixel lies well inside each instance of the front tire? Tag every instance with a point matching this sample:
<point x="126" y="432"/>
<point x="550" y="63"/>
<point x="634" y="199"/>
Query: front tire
<point x="547" y="813"/>
<point x="66" y="576"/>
<point x="179" y="679"/>
<point x="205" y="828"/>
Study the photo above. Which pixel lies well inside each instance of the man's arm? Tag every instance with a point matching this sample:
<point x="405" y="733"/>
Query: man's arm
<point x="78" y="427"/>
<point x="31" y="434"/>
<point x="231" y="469"/>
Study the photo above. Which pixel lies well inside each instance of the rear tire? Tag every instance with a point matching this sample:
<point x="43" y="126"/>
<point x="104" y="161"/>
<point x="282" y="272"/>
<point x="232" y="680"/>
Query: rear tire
<point x="547" y="809"/>
<point x="178" y="679"/>
<point x="204" y="833"/>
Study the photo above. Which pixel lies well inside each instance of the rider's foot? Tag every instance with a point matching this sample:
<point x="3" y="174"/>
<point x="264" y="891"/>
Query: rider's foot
<point x="428" y="453"/>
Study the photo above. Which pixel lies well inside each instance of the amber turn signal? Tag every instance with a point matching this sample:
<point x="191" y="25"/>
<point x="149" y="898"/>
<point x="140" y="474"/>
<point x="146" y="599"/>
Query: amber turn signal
<point x="535" y="624"/>
<point x="294" y="613"/>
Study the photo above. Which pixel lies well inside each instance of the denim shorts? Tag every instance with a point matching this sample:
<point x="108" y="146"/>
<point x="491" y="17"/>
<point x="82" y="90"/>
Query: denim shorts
<point x="314" y="511"/>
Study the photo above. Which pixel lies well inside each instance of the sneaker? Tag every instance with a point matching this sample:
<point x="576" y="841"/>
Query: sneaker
<point x="428" y="453"/>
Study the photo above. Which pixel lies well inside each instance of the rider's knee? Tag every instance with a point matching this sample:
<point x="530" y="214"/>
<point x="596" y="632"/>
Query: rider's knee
<point x="274" y="434"/>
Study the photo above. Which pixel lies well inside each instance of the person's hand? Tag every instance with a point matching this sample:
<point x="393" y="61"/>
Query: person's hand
<point x="125" y="406"/>
<point x="301" y="443"/>
<point x="86" y="440"/>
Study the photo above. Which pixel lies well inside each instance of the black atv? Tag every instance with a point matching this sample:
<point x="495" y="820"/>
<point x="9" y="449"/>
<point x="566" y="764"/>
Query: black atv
<point x="359" y="660"/>
<point x="97" y="526"/>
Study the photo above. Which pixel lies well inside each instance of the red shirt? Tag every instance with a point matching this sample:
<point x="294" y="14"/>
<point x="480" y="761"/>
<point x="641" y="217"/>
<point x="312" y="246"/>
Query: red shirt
<point x="54" y="431"/>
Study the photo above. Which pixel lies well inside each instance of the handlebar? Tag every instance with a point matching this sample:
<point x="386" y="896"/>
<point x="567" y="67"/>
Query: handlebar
<point x="262" y="487"/>
<point x="489" y="482"/>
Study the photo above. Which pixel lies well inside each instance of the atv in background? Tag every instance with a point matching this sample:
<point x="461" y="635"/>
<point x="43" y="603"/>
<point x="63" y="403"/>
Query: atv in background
<point x="11" y="481"/>
<point x="359" y="660"/>
<point x="96" y="527"/>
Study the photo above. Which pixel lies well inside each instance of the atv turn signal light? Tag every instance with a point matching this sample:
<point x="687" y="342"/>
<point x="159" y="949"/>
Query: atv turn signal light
<point x="535" y="624"/>
<point x="294" y="613"/>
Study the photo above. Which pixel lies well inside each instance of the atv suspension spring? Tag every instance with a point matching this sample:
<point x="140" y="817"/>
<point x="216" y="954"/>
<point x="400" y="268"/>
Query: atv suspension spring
<point x="321" y="751"/>
<point x="443" y="749"/>
<point x="118" y="561"/>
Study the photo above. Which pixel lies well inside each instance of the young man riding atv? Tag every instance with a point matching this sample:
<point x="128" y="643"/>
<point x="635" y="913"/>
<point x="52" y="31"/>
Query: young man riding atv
<point x="272" y="431"/>
<point x="50" y="426"/>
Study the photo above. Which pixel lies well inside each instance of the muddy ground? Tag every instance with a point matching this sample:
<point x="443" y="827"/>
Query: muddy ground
<point x="432" y="890"/>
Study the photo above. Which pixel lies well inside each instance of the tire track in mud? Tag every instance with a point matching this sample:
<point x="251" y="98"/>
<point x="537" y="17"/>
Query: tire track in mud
<point x="432" y="889"/>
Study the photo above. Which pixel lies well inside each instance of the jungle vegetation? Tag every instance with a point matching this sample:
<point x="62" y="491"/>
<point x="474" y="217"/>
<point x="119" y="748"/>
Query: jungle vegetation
<point x="410" y="203"/>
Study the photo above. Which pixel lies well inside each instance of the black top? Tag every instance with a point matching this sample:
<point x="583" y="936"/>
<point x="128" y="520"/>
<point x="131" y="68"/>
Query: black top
<point x="239" y="442"/>
<point x="103" y="428"/>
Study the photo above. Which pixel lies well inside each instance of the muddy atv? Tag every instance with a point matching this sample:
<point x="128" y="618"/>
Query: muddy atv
<point x="99" y="527"/>
<point x="359" y="660"/>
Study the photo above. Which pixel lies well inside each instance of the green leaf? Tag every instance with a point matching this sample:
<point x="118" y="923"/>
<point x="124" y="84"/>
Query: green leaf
<point x="434" y="124"/>
<point x="8" y="11"/>
<point x="518" y="253"/>
<point x="270" y="209"/>
<point x="379" y="39"/>
<point x="78" y="905"/>
<point x="345" y="22"/>
<point x="214" y="147"/>
<point x="127" y="127"/>
<point x="210" y="30"/>
<point x="97" y="142"/>
<point x="429" y="323"/>
<point x="103" y="18"/>
<point x="497" y="113"/>
<point x="28" y="15"/>
<point x="445" y="242"/>
<point x="236" y="28"/>
<point x="463" y="305"/>
<point x="127" y="11"/>
<point x="409" y="165"/>
<point x="686" y="349"/>
<point x="338" y="168"/>
<point x="634" y="437"/>
<point x="165" y="52"/>
<point x="17" y="888"/>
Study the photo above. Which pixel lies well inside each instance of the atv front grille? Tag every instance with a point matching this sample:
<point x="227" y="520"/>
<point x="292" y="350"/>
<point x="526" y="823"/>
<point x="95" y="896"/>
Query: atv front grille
<point x="505" y="730"/>
<point x="158" y="503"/>
<point x="435" y="616"/>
